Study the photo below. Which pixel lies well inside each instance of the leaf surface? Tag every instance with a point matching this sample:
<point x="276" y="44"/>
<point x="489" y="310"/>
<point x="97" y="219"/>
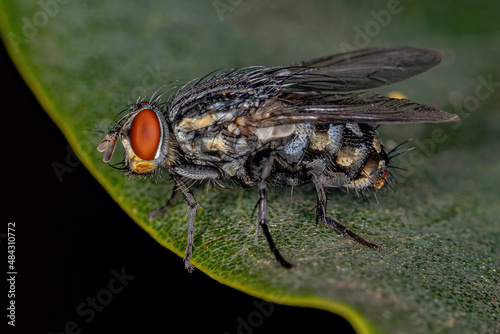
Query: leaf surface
<point x="438" y="270"/>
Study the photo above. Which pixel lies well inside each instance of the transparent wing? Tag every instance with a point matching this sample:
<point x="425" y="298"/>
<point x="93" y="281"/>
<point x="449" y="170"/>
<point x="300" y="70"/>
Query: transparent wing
<point x="358" y="70"/>
<point x="365" y="107"/>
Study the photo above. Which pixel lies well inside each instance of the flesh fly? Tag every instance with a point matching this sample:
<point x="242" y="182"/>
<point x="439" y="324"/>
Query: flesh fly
<point x="285" y="126"/>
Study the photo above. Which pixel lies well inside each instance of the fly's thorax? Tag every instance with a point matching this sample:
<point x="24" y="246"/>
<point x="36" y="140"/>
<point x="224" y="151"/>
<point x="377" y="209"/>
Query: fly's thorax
<point x="218" y="136"/>
<point x="144" y="135"/>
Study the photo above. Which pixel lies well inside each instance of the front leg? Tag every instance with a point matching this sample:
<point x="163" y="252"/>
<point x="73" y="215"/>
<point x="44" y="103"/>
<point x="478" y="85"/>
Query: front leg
<point x="193" y="206"/>
<point x="194" y="172"/>
<point x="170" y="202"/>
<point x="331" y="221"/>
<point x="178" y="173"/>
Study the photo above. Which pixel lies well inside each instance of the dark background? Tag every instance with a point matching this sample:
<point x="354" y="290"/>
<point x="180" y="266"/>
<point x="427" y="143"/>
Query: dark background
<point x="61" y="261"/>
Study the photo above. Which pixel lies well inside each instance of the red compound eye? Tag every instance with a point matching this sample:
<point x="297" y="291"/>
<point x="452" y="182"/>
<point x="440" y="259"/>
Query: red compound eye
<point x="145" y="134"/>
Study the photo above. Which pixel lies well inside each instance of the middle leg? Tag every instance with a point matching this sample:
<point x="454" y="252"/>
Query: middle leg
<point x="262" y="212"/>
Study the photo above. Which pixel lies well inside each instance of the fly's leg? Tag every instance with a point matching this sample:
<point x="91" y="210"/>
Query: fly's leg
<point x="331" y="221"/>
<point x="192" y="206"/>
<point x="192" y="172"/>
<point x="163" y="209"/>
<point x="262" y="212"/>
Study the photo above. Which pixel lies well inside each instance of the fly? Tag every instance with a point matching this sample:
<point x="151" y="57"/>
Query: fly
<point x="285" y="126"/>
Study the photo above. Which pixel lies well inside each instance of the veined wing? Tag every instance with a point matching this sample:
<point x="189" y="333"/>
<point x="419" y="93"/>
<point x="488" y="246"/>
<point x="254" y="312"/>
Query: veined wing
<point x="365" y="107"/>
<point x="358" y="70"/>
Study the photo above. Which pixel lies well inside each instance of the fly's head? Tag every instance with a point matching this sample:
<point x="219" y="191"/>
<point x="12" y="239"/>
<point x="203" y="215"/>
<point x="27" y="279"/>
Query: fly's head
<point x="144" y="134"/>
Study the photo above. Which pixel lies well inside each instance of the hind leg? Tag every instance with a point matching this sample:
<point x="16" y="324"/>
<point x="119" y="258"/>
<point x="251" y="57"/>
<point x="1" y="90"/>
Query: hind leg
<point x="331" y="221"/>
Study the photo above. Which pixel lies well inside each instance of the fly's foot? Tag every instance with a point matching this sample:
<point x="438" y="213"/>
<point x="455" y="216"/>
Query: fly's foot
<point x="158" y="212"/>
<point x="334" y="223"/>
<point x="187" y="264"/>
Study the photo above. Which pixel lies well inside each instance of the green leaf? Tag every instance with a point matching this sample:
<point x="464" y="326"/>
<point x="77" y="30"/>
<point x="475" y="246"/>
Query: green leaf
<point x="438" y="270"/>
